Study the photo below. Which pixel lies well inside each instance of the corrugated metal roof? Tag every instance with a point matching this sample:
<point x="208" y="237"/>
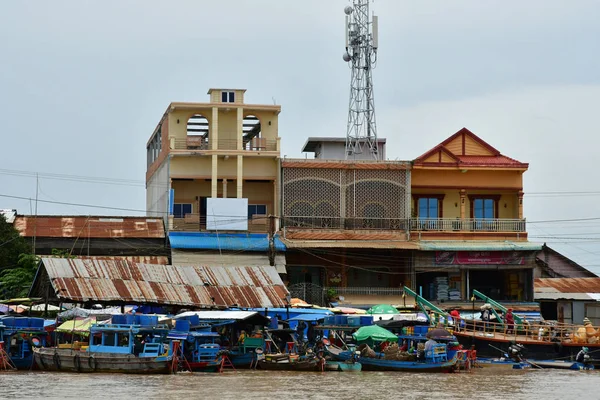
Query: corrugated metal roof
<point x="223" y="241"/>
<point x="158" y="260"/>
<point x="350" y="244"/>
<point x="345" y="164"/>
<point x="567" y="285"/>
<point x="124" y="281"/>
<point x="563" y="296"/>
<point x="9" y="215"/>
<point x="89" y="226"/>
<point x="220" y="315"/>
<point x="476" y="245"/>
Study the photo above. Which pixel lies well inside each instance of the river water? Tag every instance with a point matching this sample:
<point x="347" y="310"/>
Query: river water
<point x="486" y="383"/>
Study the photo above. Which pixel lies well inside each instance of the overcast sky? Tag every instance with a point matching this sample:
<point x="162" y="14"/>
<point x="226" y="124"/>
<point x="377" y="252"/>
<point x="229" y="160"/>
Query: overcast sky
<point x="84" y="83"/>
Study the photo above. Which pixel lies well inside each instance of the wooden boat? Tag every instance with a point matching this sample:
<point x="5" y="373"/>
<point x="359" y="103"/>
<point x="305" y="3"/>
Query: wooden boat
<point x="344" y="366"/>
<point x="115" y="348"/>
<point x="289" y="362"/>
<point x="378" y="363"/>
<point x="20" y="336"/>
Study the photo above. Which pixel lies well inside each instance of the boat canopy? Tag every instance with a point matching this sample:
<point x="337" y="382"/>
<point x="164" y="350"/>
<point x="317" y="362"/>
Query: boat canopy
<point x="308" y="317"/>
<point x="374" y="333"/>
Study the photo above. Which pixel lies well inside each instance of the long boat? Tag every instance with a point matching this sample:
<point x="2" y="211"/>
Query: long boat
<point x="541" y="340"/>
<point x="137" y="347"/>
<point x="379" y="363"/>
<point x="533" y="364"/>
<point x="20" y="336"/>
<point x="288" y="362"/>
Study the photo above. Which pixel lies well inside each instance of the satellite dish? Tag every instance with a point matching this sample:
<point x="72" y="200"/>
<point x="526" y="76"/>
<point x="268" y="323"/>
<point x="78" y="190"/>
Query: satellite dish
<point x="348" y="10"/>
<point x="346" y="57"/>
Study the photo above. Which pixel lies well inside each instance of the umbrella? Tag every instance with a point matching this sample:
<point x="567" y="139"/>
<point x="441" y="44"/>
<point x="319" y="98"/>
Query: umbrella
<point x="374" y="333"/>
<point x="383" y="309"/>
<point x="438" y="333"/>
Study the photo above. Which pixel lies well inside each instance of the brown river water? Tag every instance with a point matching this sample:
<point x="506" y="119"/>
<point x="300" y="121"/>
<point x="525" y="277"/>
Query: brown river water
<point x="487" y="383"/>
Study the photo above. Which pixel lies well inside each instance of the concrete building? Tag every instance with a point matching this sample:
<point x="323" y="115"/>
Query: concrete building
<point x="214" y="168"/>
<point x="446" y="223"/>
<point x="334" y="148"/>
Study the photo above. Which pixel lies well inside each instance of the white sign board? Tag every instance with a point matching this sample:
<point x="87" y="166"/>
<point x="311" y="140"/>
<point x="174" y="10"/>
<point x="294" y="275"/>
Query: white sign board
<point x="227" y="214"/>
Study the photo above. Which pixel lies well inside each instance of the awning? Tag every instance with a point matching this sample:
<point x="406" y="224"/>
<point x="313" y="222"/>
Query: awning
<point x="78" y="326"/>
<point x="308" y="317"/>
<point x="215" y="258"/>
<point x="223" y="241"/>
<point x="478" y="245"/>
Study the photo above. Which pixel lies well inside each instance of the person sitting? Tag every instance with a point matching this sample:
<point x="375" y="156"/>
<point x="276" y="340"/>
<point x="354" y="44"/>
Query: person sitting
<point x="404" y="346"/>
<point x="583" y="356"/>
<point x="429" y="345"/>
<point x="242" y="337"/>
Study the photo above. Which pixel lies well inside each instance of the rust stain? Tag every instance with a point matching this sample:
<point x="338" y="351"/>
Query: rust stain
<point x="569" y="285"/>
<point x="93" y="227"/>
<point x="103" y="280"/>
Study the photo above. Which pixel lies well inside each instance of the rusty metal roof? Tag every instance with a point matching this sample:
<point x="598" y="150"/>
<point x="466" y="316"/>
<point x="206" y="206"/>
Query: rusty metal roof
<point x="121" y="281"/>
<point x="567" y="285"/>
<point x="89" y="226"/>
<point x="158" y="260"/>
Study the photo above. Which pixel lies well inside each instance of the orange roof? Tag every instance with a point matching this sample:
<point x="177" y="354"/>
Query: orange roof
<point x="465" y="149"/>
<point x="89" y="226"/>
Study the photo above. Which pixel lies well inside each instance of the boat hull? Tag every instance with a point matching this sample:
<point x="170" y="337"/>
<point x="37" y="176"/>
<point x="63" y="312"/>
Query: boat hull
<point x="487" y="347"/>
<point x="381" y="364"/>
<point x="205" y="366"/>
<point x="312" y="365"/>
<point x="343" y="366"/>
<point x="67" y="360"/>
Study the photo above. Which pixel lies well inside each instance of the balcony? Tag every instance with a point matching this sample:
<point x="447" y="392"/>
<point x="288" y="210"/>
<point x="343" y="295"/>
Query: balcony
<point x="468" y="225"/>
<point x="390" y="224"/>
<point x="203" y="143"/>
<point x="197" y="223"/>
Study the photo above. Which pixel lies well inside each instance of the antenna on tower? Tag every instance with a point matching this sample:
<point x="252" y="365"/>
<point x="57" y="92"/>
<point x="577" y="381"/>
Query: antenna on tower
<point x="361" y="55"/>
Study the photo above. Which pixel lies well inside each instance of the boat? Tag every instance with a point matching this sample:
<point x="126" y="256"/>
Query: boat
<point x="344" y="366"/>
<point x="542" y="340"/>
<point x="130" y="344"/>
<point x="290" y="362"/>
<point x="197" y="351"/>
<point x="20" y="336"/>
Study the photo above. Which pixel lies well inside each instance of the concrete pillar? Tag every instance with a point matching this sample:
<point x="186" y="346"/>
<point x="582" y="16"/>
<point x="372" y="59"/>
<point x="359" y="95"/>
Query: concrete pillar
<point x="521" y="204"/>
<point x="213" y="177"/>
<point x="240" y="176"/>
<point x="240" y="125"/>
<point x="463" y="203"/>
<point x="224" y="188"/>
<point x="214" y="129"/>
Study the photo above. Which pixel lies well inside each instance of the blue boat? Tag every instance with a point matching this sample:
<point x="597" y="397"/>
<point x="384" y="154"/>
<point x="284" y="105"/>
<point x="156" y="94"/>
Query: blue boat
<point x="130" y="344"/>
<point x="199" y="347"/>
<point x="20" y="336"/>
<point x="343" y="366"/>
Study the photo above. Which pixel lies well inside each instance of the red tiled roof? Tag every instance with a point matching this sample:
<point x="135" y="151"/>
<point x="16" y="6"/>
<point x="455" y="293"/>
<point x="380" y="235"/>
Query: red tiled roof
<point x="499" y="160"/>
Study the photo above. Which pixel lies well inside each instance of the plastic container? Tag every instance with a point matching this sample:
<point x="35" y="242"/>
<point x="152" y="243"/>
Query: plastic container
<point x="330" y="320"/>
<point x="182" y="325"/>
<point x="343" y="320"/>
<point x="119" y="319"/>
<point x="354" y="321"/>
<point x="366" y="320"/>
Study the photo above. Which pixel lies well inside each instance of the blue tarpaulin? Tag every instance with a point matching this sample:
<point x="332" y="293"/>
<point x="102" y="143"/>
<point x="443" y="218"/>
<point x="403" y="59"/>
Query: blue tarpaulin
<point x="308" y="317"/>
<point x="223" y="241"/>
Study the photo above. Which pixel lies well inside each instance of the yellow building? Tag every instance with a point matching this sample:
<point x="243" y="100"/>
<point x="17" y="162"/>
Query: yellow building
<point x="222" y="149"/>
<point x="467" y="218"/>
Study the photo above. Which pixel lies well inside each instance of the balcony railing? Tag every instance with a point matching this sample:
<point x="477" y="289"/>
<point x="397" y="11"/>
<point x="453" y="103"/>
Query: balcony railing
<point x="345" y="223"/>
<point x="365" y="291"/>
<point x="204" y="143"/>
<point x="469" y="225"/>
<point x="197" y="223"/>
<point x="413" y="224"/>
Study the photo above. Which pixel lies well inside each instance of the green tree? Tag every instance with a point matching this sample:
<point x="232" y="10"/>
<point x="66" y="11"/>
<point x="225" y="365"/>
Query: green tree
<point x="12" y="245"/>
<point x="17" y="281"/>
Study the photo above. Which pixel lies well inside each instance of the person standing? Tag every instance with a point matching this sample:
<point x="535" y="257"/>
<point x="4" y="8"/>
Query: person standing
<point x="509" y="320"/>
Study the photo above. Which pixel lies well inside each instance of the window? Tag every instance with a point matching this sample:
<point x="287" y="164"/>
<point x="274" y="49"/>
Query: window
<point x="428" y="207"/>
<point x="259" y="209"/>
<point x="228" y="97"/>
<point x="483" y="208"/>
<point x="180" y="209"/>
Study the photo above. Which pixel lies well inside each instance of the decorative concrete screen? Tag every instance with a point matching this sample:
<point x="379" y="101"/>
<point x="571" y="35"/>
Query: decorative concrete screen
<point x="227" y="214"/>
<point x="346" y="195"/>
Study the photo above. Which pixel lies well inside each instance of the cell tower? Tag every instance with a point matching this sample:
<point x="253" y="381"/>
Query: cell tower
<point x="361" y="55"/>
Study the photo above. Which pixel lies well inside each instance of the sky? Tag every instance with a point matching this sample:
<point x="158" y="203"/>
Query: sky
<point x="84" y="83"/>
